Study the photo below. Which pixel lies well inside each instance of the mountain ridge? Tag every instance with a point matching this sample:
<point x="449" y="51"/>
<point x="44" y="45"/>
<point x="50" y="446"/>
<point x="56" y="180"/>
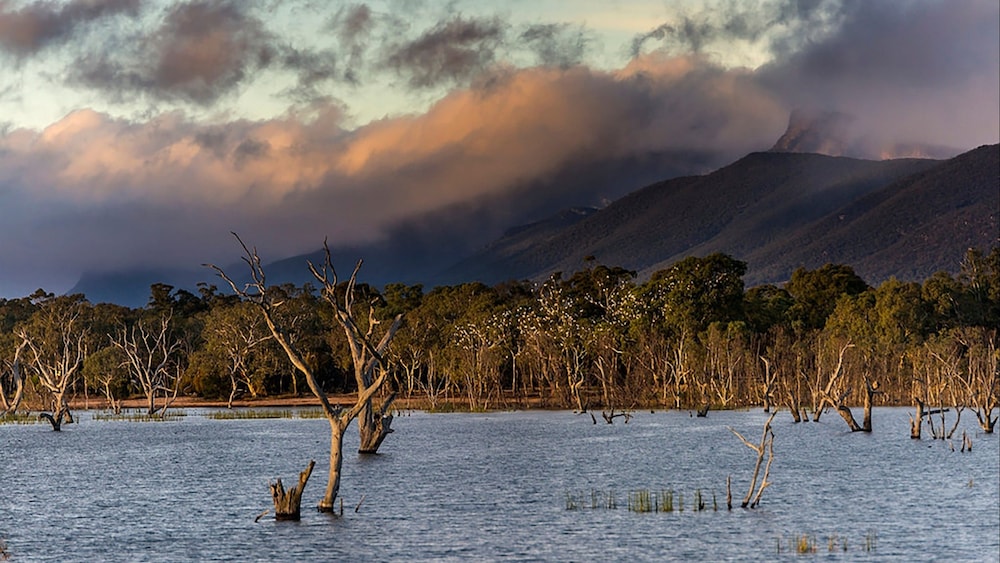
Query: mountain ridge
<point x="775" y="210"/>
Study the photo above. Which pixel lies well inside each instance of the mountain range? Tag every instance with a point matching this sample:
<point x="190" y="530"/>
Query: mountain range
<point x="776" y="210"/>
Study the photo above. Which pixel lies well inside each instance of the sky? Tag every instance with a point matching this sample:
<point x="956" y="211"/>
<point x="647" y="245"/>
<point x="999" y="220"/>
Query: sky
<point x="137" y="134"/>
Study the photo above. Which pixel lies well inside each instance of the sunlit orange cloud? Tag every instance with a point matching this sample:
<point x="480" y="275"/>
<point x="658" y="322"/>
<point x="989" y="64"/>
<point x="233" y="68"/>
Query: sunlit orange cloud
<point x="166" y="191"/>
<point x="516" y="128"/>
<point x="526" y="124"/>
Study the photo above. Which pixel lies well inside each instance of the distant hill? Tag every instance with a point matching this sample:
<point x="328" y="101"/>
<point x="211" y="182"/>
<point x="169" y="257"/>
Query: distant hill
<point x="778" y="211"/>
<point x="418" y="249"/>
<point x="909" y="229"/>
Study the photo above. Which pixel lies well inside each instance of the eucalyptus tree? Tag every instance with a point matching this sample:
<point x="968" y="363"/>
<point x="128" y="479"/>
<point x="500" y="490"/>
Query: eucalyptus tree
<point x="12" y="376"/>
<point x="682" y="301"/>
<point x="104" y="370"/>
<point x="815" y="293"/>
<point x="339" y="417"/>
<point x="11" y="382"/>
<point x="565" y="332"/>
<point x="235" y="333"/>
<point x="149" y="353"/>
<point x="982" y="374"/>
<point x="55" y="343"/>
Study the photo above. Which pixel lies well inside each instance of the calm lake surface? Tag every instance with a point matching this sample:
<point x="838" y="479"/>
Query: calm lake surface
<point x="496" y="487"/>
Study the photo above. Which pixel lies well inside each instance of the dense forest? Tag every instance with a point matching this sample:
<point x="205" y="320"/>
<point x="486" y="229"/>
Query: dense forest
<point x="691" y="337"/>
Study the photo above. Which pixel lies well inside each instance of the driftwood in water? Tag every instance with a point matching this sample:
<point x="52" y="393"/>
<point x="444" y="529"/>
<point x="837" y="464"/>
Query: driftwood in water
<point x="610" y="417"/>
<point x="287" y="503"/>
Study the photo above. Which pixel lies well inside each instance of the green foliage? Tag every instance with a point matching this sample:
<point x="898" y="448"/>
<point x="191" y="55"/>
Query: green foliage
<point x="766" y="306"/>
<point x="696" y="292"/>
<point x="816" y="293"/>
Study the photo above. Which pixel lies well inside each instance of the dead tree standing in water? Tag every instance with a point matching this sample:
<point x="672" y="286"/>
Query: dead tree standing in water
<point x="766" y="447"/>
<point x="374" y="423"/>
<point x="256" y="291"/>
<point x="55" y="345"/>
<point x="12" y="382"/>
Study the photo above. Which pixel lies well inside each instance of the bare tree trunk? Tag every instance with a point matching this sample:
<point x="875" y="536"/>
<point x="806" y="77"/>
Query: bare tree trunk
<point x="374" y="425"/>
<point x="766" y="446"/>
<point x="337" y="428"/>
<point x="871" y="388"/>
<point x="769" y="380"/>
<point x="287" y="504"/>
<point x="60" y="413"/>
<point x="916" y="423"/>
<point x="17" y="379"/>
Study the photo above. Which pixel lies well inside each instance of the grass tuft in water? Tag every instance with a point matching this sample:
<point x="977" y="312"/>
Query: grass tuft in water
<point x="871" y="540"/>
<point x="804" y="543"/>
<point x="137" y="416"/>
<point x="250" y="414"/>
<point x="20" y="418"/>
<point x="598" y="500"/>
<point x="667" y="500"/>
<point x="640" y="501"/>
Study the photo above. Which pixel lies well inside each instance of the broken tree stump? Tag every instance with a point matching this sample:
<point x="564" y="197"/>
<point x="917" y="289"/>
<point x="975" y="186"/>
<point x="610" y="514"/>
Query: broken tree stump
<point x="287" y="503"/>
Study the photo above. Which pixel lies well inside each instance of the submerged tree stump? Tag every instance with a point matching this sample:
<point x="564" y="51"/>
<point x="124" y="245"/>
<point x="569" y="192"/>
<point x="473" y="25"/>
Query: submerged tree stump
<point x="287" y="503"/>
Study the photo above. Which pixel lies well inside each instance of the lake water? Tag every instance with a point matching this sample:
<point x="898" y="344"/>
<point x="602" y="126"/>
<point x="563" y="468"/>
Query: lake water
<point x="496" y="487"/>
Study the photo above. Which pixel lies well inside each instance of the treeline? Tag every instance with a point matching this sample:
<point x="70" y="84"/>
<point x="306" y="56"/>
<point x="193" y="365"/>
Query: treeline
<point x="690" y="337"/>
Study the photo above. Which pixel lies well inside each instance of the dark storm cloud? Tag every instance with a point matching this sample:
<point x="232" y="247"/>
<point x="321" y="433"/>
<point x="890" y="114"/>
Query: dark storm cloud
<point x="906" y="71"/>
<point x="451" y="52"/>
<point x="782" y="23"/>
<point x="353" y="26"/>
<point x="201" y="51"/>
<point x="556" y="44"/>
<point x="43" y="23"/>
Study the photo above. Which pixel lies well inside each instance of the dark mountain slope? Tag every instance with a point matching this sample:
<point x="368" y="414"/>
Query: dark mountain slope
<point x="908" y="229"/>
<point x="760" y="199"/>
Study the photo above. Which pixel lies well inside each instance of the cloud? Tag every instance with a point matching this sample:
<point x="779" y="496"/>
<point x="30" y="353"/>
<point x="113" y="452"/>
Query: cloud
<point x="451" y="52"/>
<point x="200" y="51"/>
<point x="99" y="192"/>
<point x="39" y="24"/>
<point x="907" y="72"/>
<point x="168" y="189"/>
<point x="777" y="25"/>
<point x="556" y="44"/>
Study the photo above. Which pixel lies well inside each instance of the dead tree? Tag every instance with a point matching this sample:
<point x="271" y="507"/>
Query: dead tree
<point x="983" y="383"/>
<point x="367" y="354"/>
<point x="839" y="402"/>
<point x="916" y="422"/>
<point x="287" y="504"/>
<point x="149" y="352"/>
<point x="765" y="447"/>
<point x="12" y="383"/>
<point x="339" y="417"/>
<point x="769" y="383"/>
<point x="823" y="397"/>
<point x="55" y="345"/>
